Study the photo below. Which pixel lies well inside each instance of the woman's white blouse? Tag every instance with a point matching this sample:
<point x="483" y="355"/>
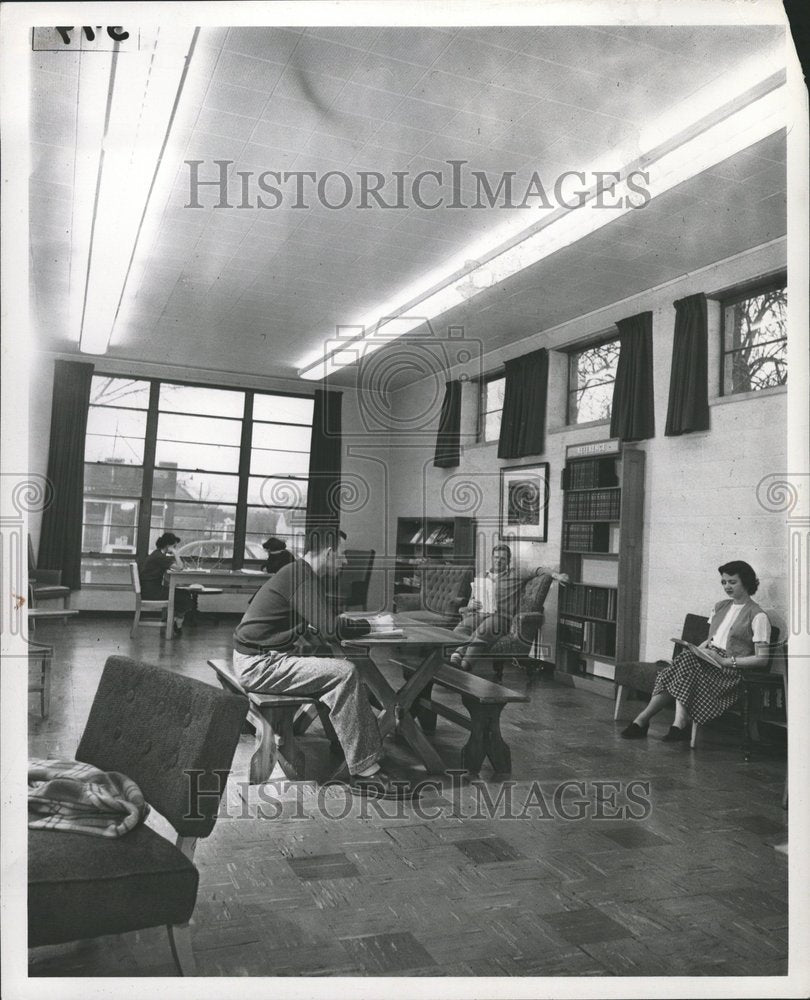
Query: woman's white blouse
<point x="760" y="626"/>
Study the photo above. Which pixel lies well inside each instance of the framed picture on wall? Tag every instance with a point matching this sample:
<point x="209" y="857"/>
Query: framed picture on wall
<point x="524" y="503"/>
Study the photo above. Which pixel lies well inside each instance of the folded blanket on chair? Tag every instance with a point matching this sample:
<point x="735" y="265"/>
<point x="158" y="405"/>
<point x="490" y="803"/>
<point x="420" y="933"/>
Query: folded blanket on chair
<point x="78" y="798"/>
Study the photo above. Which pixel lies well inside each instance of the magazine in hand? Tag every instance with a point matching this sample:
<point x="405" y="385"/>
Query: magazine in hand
<point x="701" y="654"/>
<point x="483" y="591"/>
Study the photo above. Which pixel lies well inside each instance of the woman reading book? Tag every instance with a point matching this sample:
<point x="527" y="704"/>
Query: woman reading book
<point x="704" y="683"/>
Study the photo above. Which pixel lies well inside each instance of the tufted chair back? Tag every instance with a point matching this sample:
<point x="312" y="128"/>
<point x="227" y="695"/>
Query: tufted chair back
<point x="174" y="736"/>
<point x="445" y="588"/>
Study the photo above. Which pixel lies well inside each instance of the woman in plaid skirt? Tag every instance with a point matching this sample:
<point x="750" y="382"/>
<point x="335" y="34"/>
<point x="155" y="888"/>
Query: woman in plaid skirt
<point x="739" y="634"/>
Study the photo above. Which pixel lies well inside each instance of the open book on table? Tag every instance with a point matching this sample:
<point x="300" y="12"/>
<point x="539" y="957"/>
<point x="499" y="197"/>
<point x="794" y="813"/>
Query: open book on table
<point x="701" y="654"/>
<point x="381" y="625"/>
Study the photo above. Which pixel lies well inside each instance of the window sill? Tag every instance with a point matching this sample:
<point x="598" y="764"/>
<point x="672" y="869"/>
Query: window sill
<point x="579" y="427"/>
<point x="739" y="397"/>
<point x="480" y="444"/>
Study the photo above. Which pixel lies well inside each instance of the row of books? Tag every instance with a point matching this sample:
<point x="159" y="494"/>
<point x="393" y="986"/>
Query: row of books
<point x="586" y="538"/>
<point x="588" y="637"/>
<point x="443" y="535"/>
<point x="597" y="505"/>
<point x="595" y="602"/>
<point x="590" y="474"/>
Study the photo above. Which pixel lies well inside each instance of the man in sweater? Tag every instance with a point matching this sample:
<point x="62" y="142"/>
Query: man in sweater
<point x="481" y="628"/>
<point x="279" y="649"/>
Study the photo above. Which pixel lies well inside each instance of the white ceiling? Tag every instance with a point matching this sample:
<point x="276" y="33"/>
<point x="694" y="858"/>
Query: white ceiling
<point x="254" y="291"/>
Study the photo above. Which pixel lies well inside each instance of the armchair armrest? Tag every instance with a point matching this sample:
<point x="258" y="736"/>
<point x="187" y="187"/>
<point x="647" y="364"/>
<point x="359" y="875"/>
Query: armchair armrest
<point x="526" y="625"/>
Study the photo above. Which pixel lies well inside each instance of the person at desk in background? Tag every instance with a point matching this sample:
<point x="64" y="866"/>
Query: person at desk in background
<point x="739" y="636"/>
<point x="481" y="627"/>
<point x="278" y="555"/>
<point x="274" y="653"/>
<point x="154" y="568"/>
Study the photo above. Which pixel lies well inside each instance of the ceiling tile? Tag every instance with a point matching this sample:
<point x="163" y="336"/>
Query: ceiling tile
<point x="235" y="100"/>
<point x="275" y="44"/>
<point x="223" y="124"/>
<point x="238" y="70"/>
<point x="421" y="46"/>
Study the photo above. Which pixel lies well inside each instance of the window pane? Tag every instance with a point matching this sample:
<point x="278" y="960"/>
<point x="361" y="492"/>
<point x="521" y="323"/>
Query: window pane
<point x="199" y="399"/>
<point x="279" y="463"/>
<point x="192" y="520"/>
<point x="272" y="492"/>
<point x="207" y="552"/>
<point x="105" y="571"/>
<point x="492" y="426"/>
<point x="265" y="522"/>
<point x="115" y="435"/>
<point x="255" y="552"/>
<point x="493" y="394"/>
<point x="174" y="485"/>
<point x="110" y="526"/>
<point x="273" y="436"/>
<point x="113" y="480"/>
<point x="756" y="320"/>
<point x="595" y="365"/>
<point x="282" y="409"/>
<point x="124" y="392"/>
<point x="758" y="367"/>
<point x="199" y="430"/>
<point x="591" y="404"/>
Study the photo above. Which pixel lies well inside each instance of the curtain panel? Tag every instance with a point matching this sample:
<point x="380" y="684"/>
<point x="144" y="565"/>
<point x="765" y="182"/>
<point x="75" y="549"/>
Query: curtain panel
<point x="60" y="545"/>
<point x="688" y="408"/>
<point x="633" y="414"/>
<point x="448" y="439"/>
<point x="323" y="497"/>
<point x="523" y="422"/>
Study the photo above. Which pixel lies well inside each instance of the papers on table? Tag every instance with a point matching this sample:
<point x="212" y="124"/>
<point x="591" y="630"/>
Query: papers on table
<point x="483" y="591"/>
<point x="382" y="626"/>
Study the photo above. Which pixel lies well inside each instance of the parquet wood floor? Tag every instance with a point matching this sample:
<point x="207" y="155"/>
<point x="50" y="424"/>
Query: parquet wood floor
<point x="302" y="881"/>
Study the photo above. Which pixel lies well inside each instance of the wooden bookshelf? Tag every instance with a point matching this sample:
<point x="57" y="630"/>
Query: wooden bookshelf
<point x="431" y="541"/>
<point x="603" y="509"/>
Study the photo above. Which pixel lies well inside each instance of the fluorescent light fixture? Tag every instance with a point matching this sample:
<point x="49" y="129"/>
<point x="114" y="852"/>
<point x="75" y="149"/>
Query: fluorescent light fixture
<point x="140" y="98"/>
<point x="670" y="151"/>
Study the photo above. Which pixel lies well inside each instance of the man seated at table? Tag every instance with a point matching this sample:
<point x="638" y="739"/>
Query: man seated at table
<point x="481" y="628"/>
<point x="279" y="649"/>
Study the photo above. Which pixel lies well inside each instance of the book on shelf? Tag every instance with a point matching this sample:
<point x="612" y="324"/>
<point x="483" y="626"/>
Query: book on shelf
<point x="595" y="505"/>
<point x="417" y="537"/>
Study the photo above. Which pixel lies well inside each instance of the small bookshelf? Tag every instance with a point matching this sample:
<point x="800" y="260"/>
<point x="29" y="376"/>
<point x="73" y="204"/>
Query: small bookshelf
<point x="431" y="540"/>
<point x="603" y="503"/>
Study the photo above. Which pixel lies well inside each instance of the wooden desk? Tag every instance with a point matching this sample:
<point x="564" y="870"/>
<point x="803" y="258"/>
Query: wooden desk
<point x="228" y="581"/>
<point x="396" y="714"/>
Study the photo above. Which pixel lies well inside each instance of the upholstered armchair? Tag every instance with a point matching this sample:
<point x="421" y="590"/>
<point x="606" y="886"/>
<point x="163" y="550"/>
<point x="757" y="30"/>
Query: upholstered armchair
<point x="175" y="737"/>
<point x="526" y="625"/>
<point x="443" y="591"/>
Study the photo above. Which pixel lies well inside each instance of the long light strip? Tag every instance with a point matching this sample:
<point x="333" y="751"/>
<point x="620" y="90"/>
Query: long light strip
<point x="697" y="150"/>
<point x="144" y="93"/>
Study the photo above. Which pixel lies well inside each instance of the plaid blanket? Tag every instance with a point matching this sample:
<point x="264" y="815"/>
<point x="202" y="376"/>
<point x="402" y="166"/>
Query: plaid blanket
<point x="78" y="798"/>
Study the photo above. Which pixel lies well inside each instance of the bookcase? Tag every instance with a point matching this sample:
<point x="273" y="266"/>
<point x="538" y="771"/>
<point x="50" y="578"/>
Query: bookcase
<point x="603" y="518"/>
<point x="431" y="540"/>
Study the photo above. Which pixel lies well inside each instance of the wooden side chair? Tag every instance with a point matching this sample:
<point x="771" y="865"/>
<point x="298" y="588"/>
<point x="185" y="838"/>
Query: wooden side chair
<point x="44" y="584"/>
<point x="141" y="605"/>
<point x="175" y="737"/>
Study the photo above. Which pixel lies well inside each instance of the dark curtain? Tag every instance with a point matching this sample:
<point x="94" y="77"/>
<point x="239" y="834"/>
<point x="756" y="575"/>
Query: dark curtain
<point x="523" y="422"/>
<point x="323" y="498"/>
<point x="688" y="408"/>
<point x="60" y="545"/>
<point x="448" y="439"/>
<point x="633" y="415"/>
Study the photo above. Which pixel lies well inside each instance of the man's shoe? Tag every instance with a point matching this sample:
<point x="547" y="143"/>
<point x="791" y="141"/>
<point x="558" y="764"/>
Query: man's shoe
<point x="455" y="660"/>
<point x="634" y="732"/>
<point x="380" y="786"/>
<point x="677" y="734"/>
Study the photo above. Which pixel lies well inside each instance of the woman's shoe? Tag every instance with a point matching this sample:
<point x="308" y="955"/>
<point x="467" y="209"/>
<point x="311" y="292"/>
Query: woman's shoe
<point x="677" y="734"/>
<point x="634" y="732"/>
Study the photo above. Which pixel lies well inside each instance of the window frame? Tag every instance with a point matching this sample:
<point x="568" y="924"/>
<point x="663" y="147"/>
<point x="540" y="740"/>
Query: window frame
<point x="731" y="297"/>
<point x="481" y="413"/>
<point x="146" y="500"/>
<point x="573" y="351"/>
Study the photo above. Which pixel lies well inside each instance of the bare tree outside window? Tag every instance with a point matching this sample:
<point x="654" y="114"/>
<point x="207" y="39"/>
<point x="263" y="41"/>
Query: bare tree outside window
<point x="755" y="341"/>
<point x="490" y="407"/>
<point x="591" y="375"/>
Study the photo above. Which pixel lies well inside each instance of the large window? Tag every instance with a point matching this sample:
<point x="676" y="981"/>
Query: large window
<point x="221" y="468"/>
<point x="490" y="407"/>
<point x="591" y="376"/>
<point x="755" y="339"/>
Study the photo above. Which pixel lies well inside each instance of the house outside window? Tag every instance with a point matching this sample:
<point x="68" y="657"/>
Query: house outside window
<point x="221" y="468"/>
<point x="754" y="350"/>
<point x="591" y="377"/>
<point x="490" y="407"/>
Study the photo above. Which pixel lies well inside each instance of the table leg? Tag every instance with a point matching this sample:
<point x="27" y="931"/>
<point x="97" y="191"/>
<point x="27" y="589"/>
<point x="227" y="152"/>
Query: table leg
<point x="170" y="609"/>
